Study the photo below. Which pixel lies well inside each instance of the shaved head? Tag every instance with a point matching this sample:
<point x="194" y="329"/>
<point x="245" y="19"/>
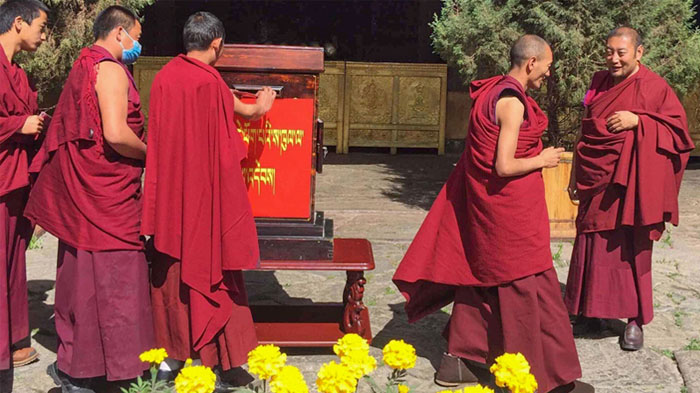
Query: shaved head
<point x="527" y="47"/>
<point x="624" y="31"/>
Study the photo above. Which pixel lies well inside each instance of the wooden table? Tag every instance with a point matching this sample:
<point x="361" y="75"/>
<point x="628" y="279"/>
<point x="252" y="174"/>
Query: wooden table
<point x="320" y="324"/>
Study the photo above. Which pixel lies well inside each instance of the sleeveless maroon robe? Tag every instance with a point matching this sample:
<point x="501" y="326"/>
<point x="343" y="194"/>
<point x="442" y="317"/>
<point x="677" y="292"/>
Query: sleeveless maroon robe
<point x="485" y="245"/>
<point x="17" y="102"/>
<point x="619" y="216"/>
<point x="197" y="210"/>
<point x="88" y="196"/>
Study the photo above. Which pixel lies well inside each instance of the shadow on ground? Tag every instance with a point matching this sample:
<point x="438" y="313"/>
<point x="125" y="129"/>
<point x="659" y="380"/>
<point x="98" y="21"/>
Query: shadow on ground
<point x="425" y="335"/>
<point x="417" y="174"/>
<point x="41" y="322"/>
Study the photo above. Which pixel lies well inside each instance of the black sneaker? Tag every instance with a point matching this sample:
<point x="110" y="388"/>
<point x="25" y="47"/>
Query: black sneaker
<point x="68" y="384"/>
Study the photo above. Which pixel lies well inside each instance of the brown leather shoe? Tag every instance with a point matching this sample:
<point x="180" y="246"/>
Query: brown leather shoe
<point x="633" y="337"/>
<point x="24" y="356"/>
<point x="574" y="387"/>
<point x="453" y="372"/>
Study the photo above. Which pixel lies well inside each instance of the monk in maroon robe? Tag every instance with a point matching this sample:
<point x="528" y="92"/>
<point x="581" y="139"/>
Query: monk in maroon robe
<point x="22" y="24"/>
<point x="196" y="207"/>
<point x="88" y="195"/>
<point x="485" y="242"/>
<point x="634" y="128"/>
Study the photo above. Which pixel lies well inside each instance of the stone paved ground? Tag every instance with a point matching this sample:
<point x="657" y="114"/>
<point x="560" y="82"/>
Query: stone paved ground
<point x="384" y="198"/>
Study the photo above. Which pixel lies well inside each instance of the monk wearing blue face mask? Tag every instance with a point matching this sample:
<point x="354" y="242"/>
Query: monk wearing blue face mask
<point x="88" y="195"/>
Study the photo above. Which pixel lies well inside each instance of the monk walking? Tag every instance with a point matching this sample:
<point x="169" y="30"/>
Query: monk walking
<point x="22" y="26"/>
<point x="197" y="210"/>
<point x="88" y="195"/>
<point x="634" y="128"/>
<point x="485" y="242"/>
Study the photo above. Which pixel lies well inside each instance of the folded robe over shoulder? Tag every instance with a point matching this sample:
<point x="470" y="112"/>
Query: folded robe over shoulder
<point x="482" y="230"/>
<point x="610" y="166"/>
<point x="17" y="102"/>
<point x="87" y="194"/>
<point x="195" y="200"/>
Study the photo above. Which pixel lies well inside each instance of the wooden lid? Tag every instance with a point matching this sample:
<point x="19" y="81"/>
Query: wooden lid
<point x="271" y="58"/>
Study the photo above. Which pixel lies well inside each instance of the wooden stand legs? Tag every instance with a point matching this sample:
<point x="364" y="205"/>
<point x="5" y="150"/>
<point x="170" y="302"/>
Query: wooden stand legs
<point x="355" y="313"/>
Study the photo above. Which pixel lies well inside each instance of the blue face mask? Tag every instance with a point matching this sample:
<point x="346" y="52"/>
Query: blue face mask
<point x="129" y="56"/>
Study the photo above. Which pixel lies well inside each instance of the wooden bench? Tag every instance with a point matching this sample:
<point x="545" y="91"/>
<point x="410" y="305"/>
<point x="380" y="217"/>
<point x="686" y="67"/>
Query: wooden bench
<point x="320" y="324"/>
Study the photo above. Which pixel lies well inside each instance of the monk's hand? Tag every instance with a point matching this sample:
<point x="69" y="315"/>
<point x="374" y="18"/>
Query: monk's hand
<point x="33" y="125"/>
<point x="622" y="121"/>
<point x="550" y="156"/>
<point x="265" y="98"/>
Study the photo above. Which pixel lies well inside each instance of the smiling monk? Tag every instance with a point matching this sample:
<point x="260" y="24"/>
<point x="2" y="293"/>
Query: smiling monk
<point x="485" y="242"/>
<point x="634" y="128"/>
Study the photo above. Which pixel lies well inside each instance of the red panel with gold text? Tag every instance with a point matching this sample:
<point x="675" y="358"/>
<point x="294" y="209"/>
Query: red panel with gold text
<point x="278" y="168"/>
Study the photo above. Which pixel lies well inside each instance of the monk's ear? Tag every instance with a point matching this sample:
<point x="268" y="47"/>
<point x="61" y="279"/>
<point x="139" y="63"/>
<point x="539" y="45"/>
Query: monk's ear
<point x="217" y="44"/>
<point x="639" y="52"/>
<point x="530" y="65"/>
<point x="17" y="23"/>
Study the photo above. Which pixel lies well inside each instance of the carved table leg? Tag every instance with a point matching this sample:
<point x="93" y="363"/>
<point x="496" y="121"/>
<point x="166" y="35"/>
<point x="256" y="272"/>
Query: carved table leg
<point x="355" y="314"/>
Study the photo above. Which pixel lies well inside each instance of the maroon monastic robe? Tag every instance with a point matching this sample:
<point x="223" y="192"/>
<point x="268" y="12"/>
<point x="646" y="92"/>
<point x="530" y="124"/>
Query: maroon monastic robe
<point x="619" y="215"/>
<point x="485" y="246"/>
<point x="88" y="196"/>
<point x="17" y="102"/>
<point x="197" y="210"/>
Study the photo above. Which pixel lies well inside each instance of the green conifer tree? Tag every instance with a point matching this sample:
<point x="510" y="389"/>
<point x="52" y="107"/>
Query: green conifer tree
<point x="474" y="36"/>
<point x="70" y="29"/>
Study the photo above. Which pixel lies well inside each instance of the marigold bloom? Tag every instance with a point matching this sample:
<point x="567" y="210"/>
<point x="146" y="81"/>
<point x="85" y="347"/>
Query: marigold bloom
<point x="266" y="360"/>
<point x="513" y="371"/>
<point x="351" y="343"/>
<point x="195" y="379"/>
<point x="288" y="380"/>
<point x="403" y="388"/>
<point x="359" y="363"/>
<point x="399" y="355"/>
<point x="335" y="378"/>
<point x="478" y="389"/>
<point x="154" y="356"/>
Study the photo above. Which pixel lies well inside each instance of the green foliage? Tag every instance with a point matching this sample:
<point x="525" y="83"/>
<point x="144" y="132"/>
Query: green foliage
<point x="34" y="243"/>
<point x="149" y="385"/>
<point x="474" y="36"/>
<point x="693" y="345"/>
<point x="70" y="29"/>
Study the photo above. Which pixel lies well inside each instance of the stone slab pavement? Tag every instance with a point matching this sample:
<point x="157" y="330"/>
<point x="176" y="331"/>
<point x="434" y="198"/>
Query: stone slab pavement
<point x="385" y="198"/>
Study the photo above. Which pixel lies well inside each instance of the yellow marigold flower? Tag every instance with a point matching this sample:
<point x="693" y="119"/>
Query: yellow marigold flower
<point x="154" y="356"/>
<point x="288" y="380"/>
<point x="359" y="363"/>
<point x="266" y="360"/>
<point x="448" y="391"/>
<point x="350" y="343"/>
<point x="525" y="383"/>
<point x="399" y="355"/>
<point x="513" y="371"/>
<point x="403" y="389"/>
<point x="478" y="389"/>
<point x="335" y="378"/>
<point x="195" y="379"/>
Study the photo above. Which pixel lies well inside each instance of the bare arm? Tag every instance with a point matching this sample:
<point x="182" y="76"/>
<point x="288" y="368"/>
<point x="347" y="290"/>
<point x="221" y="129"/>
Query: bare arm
<point x="509" y="114"/>
<point x="265" y="98"/>
<point x="113" y="97"/>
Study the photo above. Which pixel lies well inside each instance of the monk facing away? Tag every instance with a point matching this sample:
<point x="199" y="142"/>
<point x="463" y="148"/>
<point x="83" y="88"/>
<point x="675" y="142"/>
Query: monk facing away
<point x="197" y="211"/>
<point x="88" y="195"/>
<point x="22" y="24"/>
<point x="634" y="128"/>
<point x="485" y="243"/>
